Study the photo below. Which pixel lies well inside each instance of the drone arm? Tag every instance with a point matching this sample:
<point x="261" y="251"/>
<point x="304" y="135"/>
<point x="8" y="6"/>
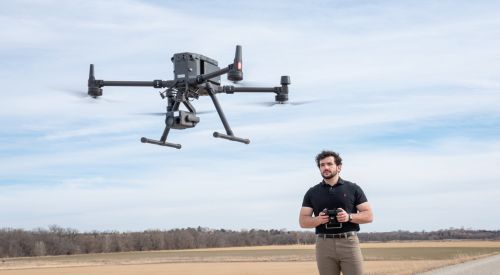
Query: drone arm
<point x="281" y="92"/>
<point x="204" y="77"/>
<point x="234" y="71"/>
<point x="95" y="85"/>
<point x="154" y="83"/>
<point x="231" y="89"/>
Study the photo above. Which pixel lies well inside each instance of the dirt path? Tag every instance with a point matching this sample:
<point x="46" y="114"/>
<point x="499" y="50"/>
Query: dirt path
<point x="489" y="265"/>
<point x="381" y="258"/>
<point x="289" y="268"/>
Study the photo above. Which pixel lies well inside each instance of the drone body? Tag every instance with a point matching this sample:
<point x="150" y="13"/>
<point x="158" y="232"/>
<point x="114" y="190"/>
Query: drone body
<point x="195" y="75"/>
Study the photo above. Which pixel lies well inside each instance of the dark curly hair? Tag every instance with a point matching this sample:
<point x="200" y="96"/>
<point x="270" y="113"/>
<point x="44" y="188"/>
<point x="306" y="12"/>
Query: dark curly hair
<point x="326" y="153"/>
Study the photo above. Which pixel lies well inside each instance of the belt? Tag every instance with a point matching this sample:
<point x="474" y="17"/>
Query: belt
<point x="337" y="236"/>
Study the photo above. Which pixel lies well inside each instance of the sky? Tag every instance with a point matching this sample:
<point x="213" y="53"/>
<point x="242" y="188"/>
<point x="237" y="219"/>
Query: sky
<point x="408" y="92"/>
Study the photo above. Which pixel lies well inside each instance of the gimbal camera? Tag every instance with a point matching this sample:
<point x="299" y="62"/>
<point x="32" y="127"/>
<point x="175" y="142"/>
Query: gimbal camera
<point x="195" y="75"/>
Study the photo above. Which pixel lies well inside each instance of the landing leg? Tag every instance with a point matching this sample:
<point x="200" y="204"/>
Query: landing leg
<point x="229" y="135"/>
<point x="169" y="120"/>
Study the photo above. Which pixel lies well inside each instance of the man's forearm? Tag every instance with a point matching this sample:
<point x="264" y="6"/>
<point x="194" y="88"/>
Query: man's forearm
<point x="309" y="222"/>
<point x="362" y="217"/>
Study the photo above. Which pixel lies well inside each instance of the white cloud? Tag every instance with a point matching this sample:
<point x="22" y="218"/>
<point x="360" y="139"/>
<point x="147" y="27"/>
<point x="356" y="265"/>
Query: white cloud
<point x="373" y="68"/>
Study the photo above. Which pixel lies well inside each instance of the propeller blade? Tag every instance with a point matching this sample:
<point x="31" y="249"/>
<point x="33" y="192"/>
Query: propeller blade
<point x="293" y="103"/>
<point x="245" y="83"/>
<point x="165" y="113"/>
<point x="302" y="102"/>
<point x="74" y="92"/>
<point x="153" y="114"/>
<point x="83" y="95"/>
<point x="205" y="112"/>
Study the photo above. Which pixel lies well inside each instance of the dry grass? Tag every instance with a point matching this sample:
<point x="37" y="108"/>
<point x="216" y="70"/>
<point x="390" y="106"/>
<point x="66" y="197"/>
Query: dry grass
<point x="380" y="258"/>
<point x="452" y="243"/>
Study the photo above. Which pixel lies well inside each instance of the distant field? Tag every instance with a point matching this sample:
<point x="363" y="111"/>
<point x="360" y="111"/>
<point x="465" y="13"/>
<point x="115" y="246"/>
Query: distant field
<point x="380" y="258"/>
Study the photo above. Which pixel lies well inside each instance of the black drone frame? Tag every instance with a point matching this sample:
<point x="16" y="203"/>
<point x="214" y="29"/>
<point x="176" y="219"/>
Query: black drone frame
<point x="195" y="75"/>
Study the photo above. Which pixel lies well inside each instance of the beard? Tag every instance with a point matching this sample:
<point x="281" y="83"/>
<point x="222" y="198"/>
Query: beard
<point x="329" y="176"/>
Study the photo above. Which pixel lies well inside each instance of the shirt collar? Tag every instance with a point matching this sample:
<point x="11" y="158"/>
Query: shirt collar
<point x="339" y="182"/>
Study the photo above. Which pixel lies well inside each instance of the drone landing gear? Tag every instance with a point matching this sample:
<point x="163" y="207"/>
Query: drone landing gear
<point x="230" y="135"/>
<point x="162" y="141"/>
<point x="157" y="142"/>
<point x="169" y="121"/>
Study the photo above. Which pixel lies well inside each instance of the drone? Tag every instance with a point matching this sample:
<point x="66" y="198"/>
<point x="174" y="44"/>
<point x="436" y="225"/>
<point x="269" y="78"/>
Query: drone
<point x="195" y="75"/>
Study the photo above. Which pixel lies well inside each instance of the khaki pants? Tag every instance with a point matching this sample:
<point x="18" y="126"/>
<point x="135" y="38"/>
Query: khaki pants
<point x="336" y="255"/>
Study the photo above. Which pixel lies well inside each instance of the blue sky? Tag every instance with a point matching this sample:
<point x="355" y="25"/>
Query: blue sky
<point x="407" y="91"/>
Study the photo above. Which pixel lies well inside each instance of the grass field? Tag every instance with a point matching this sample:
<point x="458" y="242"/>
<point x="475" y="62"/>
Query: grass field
<point x="380" y="258"/>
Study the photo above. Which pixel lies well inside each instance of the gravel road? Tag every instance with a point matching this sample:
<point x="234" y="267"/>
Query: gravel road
<point x="489" y="265"/>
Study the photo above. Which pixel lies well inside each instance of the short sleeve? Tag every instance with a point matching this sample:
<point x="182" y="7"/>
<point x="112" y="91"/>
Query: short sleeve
<point x="307" y="200"/>
<point x="360" y="196"/>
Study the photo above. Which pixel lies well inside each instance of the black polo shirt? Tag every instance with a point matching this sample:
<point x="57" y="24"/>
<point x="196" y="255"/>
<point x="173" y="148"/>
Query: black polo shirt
<point x="344" y="194"/>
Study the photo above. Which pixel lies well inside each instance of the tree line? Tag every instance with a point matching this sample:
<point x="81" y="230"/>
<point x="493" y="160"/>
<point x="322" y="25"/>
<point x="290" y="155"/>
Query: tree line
<point x="443" y="234"/>
<point x="66" y="241"/>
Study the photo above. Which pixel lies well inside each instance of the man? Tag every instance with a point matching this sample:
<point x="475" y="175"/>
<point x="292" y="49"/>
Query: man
<point x="337" y="244"/>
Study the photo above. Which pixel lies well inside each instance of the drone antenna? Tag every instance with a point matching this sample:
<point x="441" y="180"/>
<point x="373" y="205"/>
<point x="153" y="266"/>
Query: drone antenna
<point x="236" y="71"/>
<point x="91" y="73"/>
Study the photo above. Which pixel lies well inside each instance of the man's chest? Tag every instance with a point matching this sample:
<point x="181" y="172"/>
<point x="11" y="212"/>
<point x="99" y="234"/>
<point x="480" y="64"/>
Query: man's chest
<point x="331" y="198"/>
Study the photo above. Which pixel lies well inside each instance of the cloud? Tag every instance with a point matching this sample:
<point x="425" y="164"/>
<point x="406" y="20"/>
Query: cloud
<point x="408" y="95"/>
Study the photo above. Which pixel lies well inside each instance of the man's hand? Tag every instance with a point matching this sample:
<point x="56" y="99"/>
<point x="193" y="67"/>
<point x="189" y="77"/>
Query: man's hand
<point x="342" y="216"/>
<point x="322" y="218"/>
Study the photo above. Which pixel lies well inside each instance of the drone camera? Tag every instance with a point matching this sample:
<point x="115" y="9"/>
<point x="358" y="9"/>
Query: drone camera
<point x="185" y="120"/>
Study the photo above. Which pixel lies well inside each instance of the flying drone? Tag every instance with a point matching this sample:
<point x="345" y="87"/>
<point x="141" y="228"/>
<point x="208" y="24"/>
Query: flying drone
<point x="195" y="75"/>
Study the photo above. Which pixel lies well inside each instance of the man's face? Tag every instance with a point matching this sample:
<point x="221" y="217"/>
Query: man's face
<point x="328" y="168"/>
